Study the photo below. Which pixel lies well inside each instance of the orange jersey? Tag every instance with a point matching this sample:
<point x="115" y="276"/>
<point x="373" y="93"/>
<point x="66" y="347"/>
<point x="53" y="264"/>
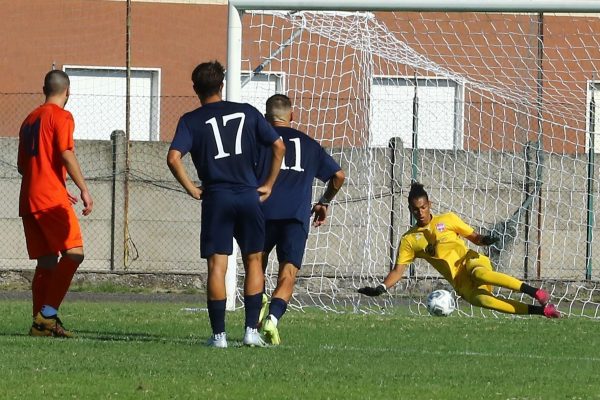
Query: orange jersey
<point x="44" y="135"/>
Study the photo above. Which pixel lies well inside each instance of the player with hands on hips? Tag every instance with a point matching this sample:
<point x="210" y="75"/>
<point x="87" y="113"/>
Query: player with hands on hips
<point x="224" y="140"/>
<point x="438" y="239"/>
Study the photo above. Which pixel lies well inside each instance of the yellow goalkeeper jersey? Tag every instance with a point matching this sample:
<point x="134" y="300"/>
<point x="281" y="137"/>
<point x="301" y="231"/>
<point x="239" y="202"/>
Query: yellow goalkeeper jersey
<point x="445" y="231"/>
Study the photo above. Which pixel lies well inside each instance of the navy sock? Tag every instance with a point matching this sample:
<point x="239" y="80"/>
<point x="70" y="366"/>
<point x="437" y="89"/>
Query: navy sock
<point x="277" y="307"/>
<point x="216" y="314"/>
<point x="253" y="304"/>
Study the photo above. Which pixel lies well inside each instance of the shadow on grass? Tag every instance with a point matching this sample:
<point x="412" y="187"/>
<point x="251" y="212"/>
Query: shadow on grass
<point x="12" y="334"/>
<point x="199" y="341"/>
<point x="140" y="337"/>
<point x="135" y="337"/>
<point x="116" y="337"/>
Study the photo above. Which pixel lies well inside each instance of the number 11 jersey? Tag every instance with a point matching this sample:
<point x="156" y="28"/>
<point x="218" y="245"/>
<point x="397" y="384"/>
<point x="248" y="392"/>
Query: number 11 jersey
<point x="304" y="161"/>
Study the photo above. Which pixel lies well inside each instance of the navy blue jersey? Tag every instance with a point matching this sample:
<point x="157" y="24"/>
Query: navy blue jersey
<point x="224" y="140"/>
<point x="304" y="160"/>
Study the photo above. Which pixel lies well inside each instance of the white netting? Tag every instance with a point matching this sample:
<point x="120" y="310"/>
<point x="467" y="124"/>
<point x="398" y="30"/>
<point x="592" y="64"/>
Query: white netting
<point x="489" y="111"/>
<point x="502" y="134"/>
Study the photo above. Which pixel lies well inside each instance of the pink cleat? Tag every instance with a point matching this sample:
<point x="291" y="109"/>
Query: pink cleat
<point x="542" y="296"/>
<point x="550" y="311"/>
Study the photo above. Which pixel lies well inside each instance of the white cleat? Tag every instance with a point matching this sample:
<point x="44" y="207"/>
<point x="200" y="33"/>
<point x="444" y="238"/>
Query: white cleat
<point x="252" y="338"/>
<point x="219" y="340"/>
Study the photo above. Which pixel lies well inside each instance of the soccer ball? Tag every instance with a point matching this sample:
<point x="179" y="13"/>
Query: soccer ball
<point x="440" y="303"/>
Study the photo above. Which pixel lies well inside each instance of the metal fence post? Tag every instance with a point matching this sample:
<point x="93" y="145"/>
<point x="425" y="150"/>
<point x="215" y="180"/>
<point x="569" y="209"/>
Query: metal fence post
<point x="117" y="241"/>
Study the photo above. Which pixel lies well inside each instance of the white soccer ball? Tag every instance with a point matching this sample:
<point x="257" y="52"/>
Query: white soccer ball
<point x="440" y="303"/>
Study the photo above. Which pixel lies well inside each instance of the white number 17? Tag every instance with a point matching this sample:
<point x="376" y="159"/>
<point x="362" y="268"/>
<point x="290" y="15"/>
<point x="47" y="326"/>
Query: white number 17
<point x="221" y="153"/>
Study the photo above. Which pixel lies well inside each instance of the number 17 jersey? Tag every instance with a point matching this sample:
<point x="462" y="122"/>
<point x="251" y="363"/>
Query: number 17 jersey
<point x="223" y="139"/>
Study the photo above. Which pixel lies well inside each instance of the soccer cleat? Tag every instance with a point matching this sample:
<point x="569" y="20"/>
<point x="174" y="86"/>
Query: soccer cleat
<point x="218" y="340"/>
<point x="37" y="330"/>
<point x="550" y="311"/>
<point x="271" y="332"/>
<point x="52" y="326"/>
<point x="263" y="310"/>
<point x="542" y="296"/>
<point x="252" y="338"/>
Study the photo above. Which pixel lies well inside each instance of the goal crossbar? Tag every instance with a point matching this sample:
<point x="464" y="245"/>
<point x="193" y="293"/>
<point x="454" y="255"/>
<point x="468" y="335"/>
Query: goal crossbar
<point x="575" y="6"/>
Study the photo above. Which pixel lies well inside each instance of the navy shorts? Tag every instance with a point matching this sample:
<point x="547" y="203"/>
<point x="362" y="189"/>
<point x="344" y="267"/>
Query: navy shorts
<point x="289" y="237"/>
<point x="231" y="214"/>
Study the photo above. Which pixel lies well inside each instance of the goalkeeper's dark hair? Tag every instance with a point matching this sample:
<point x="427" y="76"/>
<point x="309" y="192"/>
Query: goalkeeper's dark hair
<point x="417" y="191"/>
<point x="208" y="78"/>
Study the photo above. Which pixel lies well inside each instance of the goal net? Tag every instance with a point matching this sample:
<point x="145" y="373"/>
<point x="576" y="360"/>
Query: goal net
<point x="493" y="112"/>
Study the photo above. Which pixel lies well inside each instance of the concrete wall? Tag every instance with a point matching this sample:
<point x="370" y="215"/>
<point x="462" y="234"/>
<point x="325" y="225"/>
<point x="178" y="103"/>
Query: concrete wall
<point x="366" y="221"/>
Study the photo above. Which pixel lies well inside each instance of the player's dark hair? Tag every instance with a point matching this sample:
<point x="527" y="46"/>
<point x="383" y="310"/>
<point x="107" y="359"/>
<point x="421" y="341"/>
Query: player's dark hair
<point x="207" y="78"/>
<point x="417" y="191"/>
<point x="55" y="82"/>
<point x="275" y="104"/>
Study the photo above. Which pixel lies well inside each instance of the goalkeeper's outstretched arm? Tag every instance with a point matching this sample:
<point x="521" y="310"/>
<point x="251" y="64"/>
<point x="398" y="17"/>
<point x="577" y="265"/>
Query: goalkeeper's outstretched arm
<point x="393" y="277"/>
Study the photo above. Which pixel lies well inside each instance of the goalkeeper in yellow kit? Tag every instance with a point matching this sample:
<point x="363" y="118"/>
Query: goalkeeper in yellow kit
<point x="438" y="239"/>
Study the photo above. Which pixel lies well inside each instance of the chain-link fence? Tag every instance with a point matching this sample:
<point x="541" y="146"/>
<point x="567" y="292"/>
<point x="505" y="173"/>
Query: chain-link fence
<point x="119" y="56"/>
<point x="503" y="105"/>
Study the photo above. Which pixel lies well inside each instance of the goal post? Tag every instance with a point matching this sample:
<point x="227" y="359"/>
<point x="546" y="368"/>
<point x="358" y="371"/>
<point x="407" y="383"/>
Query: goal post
<point x="486" y="103"/>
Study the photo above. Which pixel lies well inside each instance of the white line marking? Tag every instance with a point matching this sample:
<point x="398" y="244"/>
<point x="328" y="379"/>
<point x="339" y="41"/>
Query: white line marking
<point x="399" y="350"/>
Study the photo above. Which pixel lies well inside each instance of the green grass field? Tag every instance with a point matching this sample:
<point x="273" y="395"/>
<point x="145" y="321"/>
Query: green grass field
<point x="155" y="351"/>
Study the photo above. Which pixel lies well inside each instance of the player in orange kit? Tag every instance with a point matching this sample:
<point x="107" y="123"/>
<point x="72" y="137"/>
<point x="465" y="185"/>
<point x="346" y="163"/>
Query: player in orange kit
<point x="46" y="155"/>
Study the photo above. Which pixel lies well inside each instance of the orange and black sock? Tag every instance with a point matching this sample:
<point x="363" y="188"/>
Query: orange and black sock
<point x="39" y="286"/>
<point x="61" y="281"/>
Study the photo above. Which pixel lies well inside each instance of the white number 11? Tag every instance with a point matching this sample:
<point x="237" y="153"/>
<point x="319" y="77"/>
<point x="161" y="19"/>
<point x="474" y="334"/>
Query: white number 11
<point x="296" y="166"/>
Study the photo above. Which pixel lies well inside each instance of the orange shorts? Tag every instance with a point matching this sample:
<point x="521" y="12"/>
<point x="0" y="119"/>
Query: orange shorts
<point x="51" y="231"/>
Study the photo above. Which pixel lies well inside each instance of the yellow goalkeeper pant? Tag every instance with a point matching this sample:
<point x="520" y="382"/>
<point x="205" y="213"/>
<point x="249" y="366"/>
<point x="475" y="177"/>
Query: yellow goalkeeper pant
<point x="474" y="282"/>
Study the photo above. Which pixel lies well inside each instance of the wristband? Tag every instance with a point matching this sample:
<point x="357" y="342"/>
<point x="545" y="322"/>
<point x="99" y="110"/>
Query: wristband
<point x="323" y="201"/>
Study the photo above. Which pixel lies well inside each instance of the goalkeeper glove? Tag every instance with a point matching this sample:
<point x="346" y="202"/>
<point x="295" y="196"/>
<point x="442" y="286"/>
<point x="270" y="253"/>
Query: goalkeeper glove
<point x="372" y="291"/>
<point x="488" y="240"/>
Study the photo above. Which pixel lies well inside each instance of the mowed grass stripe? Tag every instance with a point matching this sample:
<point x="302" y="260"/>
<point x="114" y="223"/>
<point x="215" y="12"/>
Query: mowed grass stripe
<point x="133" y="350"/>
